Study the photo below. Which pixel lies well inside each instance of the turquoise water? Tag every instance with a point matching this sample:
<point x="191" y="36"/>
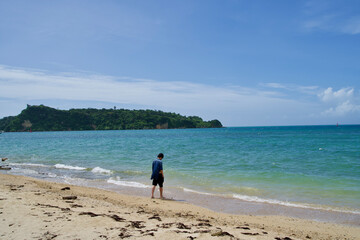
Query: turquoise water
<point x="308" y="167"/>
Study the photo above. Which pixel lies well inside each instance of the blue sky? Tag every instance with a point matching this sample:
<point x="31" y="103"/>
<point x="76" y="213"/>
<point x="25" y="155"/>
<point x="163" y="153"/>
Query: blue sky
<point x="246" y="63"/>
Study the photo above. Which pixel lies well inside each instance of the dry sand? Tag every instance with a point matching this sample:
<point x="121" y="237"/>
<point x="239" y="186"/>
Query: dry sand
<point x="35" y="209"/>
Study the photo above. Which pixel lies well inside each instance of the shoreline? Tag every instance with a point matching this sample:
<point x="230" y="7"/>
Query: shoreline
<point x="217" y="202"/>
<point x="32" y="208"/>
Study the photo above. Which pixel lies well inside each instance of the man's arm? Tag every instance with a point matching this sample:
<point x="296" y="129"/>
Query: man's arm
<point x="162" y="173"/>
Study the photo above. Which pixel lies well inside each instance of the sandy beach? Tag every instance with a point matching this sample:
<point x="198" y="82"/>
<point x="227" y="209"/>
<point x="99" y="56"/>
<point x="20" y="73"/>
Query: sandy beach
<point x="34" y="209"/>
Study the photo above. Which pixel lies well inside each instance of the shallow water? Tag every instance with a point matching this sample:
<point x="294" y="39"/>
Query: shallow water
<point x="310" y="167"/>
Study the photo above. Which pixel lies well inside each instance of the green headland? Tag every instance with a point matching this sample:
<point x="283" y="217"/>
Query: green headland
<point x="43" y="118"/>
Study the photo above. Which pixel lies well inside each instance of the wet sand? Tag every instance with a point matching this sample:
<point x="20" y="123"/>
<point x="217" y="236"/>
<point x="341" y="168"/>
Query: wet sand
<point x="35" y="209"/>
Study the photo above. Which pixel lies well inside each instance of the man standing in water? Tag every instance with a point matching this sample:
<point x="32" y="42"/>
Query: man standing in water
<point x="157" y="175"/>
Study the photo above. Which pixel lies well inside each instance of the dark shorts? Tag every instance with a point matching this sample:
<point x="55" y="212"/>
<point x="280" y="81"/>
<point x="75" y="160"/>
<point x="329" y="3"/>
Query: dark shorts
<point x="159" y="181"/>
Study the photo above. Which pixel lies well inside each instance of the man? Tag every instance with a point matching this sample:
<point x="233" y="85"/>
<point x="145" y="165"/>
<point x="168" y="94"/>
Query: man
<point x="157" y="175"/>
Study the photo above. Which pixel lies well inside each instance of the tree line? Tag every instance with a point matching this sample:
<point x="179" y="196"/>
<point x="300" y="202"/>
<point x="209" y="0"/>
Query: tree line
<point x="43" y="118"/>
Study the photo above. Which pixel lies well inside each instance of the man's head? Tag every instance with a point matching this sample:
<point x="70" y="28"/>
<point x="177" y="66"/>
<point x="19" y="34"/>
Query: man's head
<point x="160" y="156"/>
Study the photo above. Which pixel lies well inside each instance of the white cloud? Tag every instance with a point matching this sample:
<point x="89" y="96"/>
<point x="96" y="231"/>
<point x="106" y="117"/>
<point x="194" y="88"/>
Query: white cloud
<point x="344" y="94"/>
<point x="342" y="109"/>
<point x="342" y="101"/>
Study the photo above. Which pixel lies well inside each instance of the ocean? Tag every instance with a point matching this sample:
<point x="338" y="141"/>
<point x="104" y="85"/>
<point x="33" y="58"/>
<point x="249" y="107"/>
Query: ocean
<point x="301" y="171"/>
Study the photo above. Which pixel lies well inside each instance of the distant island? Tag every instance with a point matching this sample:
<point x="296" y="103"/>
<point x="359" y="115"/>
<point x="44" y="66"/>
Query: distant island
<point x="43" y="118"/>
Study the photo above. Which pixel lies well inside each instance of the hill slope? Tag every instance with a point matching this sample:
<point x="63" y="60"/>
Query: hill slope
<point x="43" y="118"/>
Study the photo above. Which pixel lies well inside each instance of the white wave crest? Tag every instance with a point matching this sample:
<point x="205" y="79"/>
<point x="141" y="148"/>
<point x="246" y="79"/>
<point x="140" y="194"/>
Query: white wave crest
<point x="193" y="191"/>
<point x="69" y="167"/>
<point x="101" y="170"/>
<point x="117" y="181"/>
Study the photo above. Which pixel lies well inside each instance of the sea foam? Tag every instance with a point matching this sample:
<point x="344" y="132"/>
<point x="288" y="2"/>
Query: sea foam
<point x="119" y="182"/>
<point x="101" y="170"/>
<point x="69" y="167"/>
<point x="290" y="204"/>
<point x="28" y="164"/>
<point x="193" y="191"/>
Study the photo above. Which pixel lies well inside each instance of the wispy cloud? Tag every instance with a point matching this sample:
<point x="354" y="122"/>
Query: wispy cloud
<point x="311" y="90"/>
<point x="331" y="17"/>
<point x="334" y="24"/>
<point x="234" y="105"/>
<point x="352" y="26"/>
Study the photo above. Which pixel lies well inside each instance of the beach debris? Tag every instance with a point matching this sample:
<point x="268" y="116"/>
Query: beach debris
<point x="65" y="188"/>
<point x="52" y="206"/>
<point x="117" y="218"/>
<point x="91" y="214"/>
<point x="65" y="209"/>
<point x="46" y="205"/>
<point x="184" y="215"/>
<point x="191" y="237"/>
<point x="149" y="230"/>
<point x="202" y="231"/>
<point x="69" y="197"/>
<point x="249" y="233"/>
<point x="156" y="216"/>
<point x="124" y="235"/>
<point x="178" y="231"/>
<point x="221" y="234"/>
<point x="182" y="226"/>
<point x="285" y="238"/>
<point x="204" y="224"/>
<point x="5" y="168"/>
<point x="203" y="220"/>
<point x="76" y="206"/>
<point x="141" y="210"/>
<point x="245" y="228"/>
<point x="149" y="234"/>
<point x="165" y="225"/>
<point x="14" y="187"/>
<point x="136" y="224"/>
<point x="49" y="236"/>
<point x="49" y="214"/>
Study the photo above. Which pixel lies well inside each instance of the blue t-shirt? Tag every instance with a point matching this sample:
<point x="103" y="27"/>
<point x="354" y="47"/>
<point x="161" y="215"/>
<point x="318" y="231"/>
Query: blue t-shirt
<point x="156" y="168"/>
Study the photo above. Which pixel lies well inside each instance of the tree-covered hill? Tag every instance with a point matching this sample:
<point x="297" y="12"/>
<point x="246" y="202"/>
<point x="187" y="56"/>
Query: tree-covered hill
<point x="43" y="118"/>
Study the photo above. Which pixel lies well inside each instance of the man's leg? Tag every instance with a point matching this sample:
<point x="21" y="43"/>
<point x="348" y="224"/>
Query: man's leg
<point x="161" y="192"/>
<point x="152" y="191"/>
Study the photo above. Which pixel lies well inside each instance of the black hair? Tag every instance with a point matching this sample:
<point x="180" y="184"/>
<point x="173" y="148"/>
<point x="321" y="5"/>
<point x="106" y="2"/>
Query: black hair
<point x="161" y="155"/>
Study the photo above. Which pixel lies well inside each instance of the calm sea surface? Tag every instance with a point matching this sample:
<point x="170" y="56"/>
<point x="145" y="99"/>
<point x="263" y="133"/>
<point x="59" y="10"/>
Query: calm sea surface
<point x="309" y="167"/>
